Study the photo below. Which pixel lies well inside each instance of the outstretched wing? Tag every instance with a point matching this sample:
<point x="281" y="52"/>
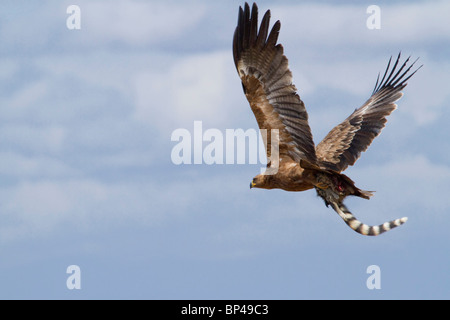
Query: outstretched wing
<point x="343" y="145"/>
<point x="267" y="84"/>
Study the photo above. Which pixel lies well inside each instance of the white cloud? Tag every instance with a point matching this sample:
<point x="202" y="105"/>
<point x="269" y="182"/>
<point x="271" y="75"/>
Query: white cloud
<point x="30" y="167"/>
<point x="24" y="98"/>
<point x="423" y="102"/>
<point x="97" y="69"/>
<point x="39" y="207"/>
<point x="41" y="139"/>
<point x="8" y="67"/>
<point x="139" y="23"/>
<point x="36" y="208"/>
<point x="328" y="25"/>
<point x="417" y="22"/>
<point x="193" y="88"/>
<point x="427" y="92"/>
<point x="412" y="181"/>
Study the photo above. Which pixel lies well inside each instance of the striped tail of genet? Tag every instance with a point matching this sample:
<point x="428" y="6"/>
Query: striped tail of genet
<point x="362" y="228"/>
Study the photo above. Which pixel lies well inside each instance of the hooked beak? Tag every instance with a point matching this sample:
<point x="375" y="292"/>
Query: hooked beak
<point x="252" y="184"/>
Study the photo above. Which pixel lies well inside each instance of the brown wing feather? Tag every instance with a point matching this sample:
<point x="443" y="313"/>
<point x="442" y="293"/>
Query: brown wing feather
<point x="267" y="83"/>
<point x="344" y="143"/>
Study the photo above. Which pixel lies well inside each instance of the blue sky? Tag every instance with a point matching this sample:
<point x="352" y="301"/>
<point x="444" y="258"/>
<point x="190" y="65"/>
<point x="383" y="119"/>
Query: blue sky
<point x="87" y="178"/>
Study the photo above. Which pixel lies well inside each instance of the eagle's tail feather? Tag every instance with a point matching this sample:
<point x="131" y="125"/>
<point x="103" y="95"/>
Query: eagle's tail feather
<point x="362" y="228"/>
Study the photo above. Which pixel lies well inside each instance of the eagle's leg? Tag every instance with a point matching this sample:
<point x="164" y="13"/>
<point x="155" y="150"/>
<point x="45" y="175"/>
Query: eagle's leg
<point x="335" y="185"/>
<point x="330" y="188"/>
<point x="326" y="194"/>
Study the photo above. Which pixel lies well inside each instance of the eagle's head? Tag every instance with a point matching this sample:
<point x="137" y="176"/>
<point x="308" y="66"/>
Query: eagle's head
<point x="260" y="181"/>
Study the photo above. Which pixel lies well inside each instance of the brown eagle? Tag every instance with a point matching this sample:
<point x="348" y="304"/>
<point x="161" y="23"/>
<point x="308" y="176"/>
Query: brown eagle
<point x="267" y="83"/>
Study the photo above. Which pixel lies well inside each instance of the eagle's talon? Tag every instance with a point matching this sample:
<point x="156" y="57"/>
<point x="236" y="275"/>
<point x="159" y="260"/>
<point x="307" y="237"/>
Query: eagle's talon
<point x="322" y="186"/>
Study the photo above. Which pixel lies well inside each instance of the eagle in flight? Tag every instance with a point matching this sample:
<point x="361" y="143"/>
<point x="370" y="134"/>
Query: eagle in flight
<point x="267" y="83"/>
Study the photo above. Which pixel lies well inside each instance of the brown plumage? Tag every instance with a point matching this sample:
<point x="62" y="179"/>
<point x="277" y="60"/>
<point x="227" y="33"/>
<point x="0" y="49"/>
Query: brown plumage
<point x="299" y="165"/>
